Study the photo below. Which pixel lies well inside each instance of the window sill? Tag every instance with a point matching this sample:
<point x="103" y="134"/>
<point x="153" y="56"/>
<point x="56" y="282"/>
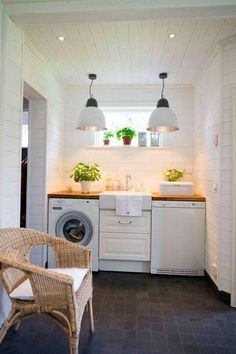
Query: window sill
<point x="126" y="147"/>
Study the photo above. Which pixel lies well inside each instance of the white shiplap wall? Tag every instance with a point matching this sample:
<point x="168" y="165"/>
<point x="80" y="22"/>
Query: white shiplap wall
<point x="49" y="117"/>
<point x="1" y="106"/>
<point x="10" y="132"/>
<point x="36" y="174"/>
<point x="11" y="106"/>
<point x="228" y="71"/>
<point x="145" y="166"/>
<point x="207" y="155"/>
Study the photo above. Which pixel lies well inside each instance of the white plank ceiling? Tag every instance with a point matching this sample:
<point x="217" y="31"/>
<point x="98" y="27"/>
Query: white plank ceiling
<point x="129" y="52"/>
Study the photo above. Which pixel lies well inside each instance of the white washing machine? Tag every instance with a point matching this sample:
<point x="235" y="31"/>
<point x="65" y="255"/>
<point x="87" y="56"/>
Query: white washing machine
<point x="76" y="220"/>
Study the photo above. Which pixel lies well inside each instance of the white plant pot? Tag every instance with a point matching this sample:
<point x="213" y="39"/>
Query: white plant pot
<point x="85" y="186"/>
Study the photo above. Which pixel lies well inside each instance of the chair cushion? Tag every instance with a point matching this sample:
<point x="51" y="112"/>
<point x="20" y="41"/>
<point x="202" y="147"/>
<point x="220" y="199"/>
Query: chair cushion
<point x="24" y="290"/>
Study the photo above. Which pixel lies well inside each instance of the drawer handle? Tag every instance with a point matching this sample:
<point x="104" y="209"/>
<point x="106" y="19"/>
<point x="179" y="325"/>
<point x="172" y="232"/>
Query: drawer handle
<point x="125" y="222"/>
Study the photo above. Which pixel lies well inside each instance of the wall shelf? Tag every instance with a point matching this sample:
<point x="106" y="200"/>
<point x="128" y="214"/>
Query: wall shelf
<point x="127" y="147"/>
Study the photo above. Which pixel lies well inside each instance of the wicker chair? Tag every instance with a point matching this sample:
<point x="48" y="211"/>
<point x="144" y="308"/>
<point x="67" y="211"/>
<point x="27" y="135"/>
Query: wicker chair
<point x="52" y="293"/>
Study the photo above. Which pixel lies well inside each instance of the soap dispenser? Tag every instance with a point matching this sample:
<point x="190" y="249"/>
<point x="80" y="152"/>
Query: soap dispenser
<point x="109" y="184"/>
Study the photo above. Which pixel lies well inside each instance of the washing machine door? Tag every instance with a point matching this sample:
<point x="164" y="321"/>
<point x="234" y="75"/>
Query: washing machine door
<point x="75" y="227"/>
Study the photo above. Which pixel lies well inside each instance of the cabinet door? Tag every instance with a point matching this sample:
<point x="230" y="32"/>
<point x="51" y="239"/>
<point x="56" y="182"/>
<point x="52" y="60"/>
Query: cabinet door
<point x="125" y="246"/>
<point x="110" y="222"/>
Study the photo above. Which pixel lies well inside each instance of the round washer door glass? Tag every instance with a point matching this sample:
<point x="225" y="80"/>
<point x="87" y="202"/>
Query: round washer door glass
<point x="75" y="227"/>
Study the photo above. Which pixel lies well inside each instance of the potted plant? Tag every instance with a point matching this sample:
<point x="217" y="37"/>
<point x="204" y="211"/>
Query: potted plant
<point x="85" y="174"/>
<point x="173" y="175"/>
<point x="107" y="136"/>
<point x="127" y="134"/>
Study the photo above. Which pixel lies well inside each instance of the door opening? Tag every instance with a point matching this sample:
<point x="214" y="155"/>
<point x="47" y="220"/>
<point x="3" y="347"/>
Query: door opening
<point x="24" y="161"/>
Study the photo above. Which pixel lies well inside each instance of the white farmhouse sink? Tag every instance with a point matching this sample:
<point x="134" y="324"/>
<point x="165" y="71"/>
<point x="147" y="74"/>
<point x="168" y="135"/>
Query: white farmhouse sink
<point x="129" y="193"/>
<point x="176" y="188"/>
<point x="107" y="200"/>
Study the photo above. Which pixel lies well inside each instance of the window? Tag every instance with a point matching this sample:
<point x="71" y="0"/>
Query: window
<point x="134" y="117"/>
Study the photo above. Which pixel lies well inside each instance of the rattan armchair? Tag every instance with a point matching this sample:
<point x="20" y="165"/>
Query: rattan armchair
<point x="52" y="293"/>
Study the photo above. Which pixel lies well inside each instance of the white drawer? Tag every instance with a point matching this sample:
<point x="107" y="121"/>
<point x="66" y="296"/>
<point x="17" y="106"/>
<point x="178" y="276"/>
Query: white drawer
<point x="110" y="222"/>
<point x="131" y="247"/>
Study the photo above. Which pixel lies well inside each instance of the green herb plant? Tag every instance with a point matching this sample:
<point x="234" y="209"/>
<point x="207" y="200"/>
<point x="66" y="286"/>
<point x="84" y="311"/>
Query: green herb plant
<point x="108" y="135"/>
<point x="173" y="175"/>
<point x="126" y="131"/>
<point x="86" y="172"/>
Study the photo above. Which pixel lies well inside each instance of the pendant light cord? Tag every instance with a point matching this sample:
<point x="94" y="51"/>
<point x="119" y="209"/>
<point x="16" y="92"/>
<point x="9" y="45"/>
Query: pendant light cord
<point x="90" y="88"/>
<point x="163" y="86"/>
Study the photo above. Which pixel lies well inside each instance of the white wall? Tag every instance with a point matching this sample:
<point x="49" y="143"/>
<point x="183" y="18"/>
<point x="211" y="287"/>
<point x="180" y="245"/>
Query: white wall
<point x="144" y="165"/>
<point x="36" y="171"/>
<point x="10" y="132"/>
<point x="228" y="71"/>
<point x="38" y="75"/>
<point x="207" y="155"/>
<point x="1" y="107"/>
<point x="11" y="106"/>
<point x="46" y="134"/>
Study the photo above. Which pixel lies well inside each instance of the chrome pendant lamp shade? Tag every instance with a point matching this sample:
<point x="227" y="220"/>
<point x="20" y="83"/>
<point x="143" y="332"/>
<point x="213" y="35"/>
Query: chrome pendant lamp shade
<point x="163" y="119"/>
<point x="91" y="118"/>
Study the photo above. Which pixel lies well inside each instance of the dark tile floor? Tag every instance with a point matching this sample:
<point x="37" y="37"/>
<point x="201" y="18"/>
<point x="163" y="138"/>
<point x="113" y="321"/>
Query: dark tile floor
<point x="139" y="314"/>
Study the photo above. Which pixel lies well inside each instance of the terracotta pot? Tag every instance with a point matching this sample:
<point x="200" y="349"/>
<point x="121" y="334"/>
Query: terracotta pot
<point x="85" y="187"/>
<point x="126" y="140"/>
<point x="106" y="141"/>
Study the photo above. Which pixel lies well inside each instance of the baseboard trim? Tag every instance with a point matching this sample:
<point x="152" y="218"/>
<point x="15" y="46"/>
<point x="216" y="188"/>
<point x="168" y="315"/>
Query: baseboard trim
<point x="223" y="296"/>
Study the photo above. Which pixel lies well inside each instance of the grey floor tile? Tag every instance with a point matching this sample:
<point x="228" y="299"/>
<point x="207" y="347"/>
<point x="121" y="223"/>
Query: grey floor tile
<point x="139" y="314"/>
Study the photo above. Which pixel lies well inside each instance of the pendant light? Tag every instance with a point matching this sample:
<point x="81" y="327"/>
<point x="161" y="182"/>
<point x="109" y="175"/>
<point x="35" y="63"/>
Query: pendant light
<point x="91" y="118"/>
<point x="163" y="119"/>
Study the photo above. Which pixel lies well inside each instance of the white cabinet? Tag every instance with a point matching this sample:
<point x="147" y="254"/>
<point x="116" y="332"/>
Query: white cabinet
<point x="124" y="237"/>
<point x="110" y="222"/>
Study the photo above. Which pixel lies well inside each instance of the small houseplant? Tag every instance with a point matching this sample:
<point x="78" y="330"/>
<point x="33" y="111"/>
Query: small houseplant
<point x="173" y="175"/>
<point x="85" y="174"/>
<point x="127" y="134"/>
<point x="107" y="136"/>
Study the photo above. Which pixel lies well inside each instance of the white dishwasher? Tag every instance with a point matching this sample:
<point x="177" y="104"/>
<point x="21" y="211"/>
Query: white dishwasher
<point x="178" y="238"/>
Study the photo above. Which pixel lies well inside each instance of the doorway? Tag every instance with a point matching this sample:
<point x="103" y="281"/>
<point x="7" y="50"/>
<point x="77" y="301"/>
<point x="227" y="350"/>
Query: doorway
<point x="24" y="161"/>
<point x="34" y="197"/>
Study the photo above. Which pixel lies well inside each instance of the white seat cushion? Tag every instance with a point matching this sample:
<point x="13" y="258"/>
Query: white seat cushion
<point x="24" y="290"/>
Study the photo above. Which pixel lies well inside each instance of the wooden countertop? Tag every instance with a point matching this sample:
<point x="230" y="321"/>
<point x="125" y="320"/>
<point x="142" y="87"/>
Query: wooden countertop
<point x="191" y="198"/>
<point x="74" y="195"/>
<point x="155" y="196"/>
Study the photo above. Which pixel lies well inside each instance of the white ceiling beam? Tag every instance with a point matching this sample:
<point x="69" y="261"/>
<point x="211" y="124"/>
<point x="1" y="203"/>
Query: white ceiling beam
<point x="47" y="12"/>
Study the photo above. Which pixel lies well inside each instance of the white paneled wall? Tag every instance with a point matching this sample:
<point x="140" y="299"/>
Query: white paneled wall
<point x="228" y="83"/>
<point x="207" y="155"/>
<point x="36" y="174"/>
<point x="1" y="107"/>
<point x="38" y="75"/>
<point x="10" y="132"/>
<point x="11" y="106"/>
<point x="145" y="166"/>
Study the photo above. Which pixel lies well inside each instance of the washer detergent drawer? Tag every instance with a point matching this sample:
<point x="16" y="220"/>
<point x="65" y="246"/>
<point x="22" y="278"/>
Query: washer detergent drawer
<point x="118" y="246"/>
<point x="110" y="222"/>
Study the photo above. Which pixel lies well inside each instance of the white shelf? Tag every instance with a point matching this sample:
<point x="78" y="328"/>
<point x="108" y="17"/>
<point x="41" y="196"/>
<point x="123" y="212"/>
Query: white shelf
<point x="126" y="147"/>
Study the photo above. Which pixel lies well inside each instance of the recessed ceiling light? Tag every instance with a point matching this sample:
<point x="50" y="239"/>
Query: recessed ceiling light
<point x="172" y="35"/>
<point x="61" y="38"/>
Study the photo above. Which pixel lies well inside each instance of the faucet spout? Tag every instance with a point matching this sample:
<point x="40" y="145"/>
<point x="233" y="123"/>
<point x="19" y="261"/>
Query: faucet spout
<point x="127" y="179"/>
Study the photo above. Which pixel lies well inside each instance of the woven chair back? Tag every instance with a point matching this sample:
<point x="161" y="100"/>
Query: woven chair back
<point x="16" y="244"/>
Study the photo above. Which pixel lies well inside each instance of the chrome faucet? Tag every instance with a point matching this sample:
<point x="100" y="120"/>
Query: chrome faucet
<point x="127" y="179"/>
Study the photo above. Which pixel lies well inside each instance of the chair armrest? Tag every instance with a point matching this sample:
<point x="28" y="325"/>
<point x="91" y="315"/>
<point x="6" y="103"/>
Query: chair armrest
<point x="50" y="289"/>
<point x="29" y="268"/>
<point x="70" y="255"/>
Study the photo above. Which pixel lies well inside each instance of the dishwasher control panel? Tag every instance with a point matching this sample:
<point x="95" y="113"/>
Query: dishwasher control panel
<point x="177" y="204"/>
